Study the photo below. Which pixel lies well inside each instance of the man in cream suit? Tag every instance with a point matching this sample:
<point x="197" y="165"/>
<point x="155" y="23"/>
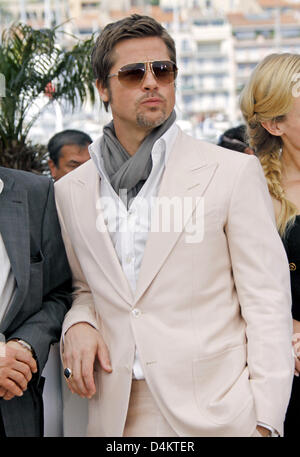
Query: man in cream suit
<point x="181" y="322"/>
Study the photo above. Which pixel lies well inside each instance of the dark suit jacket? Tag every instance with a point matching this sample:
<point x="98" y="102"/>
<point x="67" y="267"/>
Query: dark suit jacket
<point x="31" y="233"/>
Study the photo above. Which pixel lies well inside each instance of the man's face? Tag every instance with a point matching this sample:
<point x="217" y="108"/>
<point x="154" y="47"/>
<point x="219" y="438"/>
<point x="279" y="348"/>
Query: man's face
<point x="71" y="156"/>
<point x="150" y="103"/>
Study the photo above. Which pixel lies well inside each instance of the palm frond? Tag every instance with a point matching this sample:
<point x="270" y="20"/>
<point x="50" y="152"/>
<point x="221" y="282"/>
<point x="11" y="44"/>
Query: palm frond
<point x="31" y="59"/>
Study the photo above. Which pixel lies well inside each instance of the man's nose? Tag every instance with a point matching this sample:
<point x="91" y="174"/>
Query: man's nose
<point x="149" y="81"/>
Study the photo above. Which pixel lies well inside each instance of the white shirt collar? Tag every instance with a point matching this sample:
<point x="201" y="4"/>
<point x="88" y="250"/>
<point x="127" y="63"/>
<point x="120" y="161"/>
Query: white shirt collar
<point x="1" y="185"/>
<point x="163" y="145"/>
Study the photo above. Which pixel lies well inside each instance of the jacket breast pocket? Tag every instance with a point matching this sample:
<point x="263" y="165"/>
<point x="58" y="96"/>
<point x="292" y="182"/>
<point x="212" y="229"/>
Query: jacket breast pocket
<point x="221" y="385"/>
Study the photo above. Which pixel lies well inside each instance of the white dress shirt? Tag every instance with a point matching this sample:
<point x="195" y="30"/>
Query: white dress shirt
<point x="129" y="229"/>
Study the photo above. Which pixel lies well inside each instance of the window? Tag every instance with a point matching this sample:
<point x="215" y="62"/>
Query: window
<point x="187" y="99"/>
<point x="209" y="47"/>
<point x="186" y="45"/>
<point x="90" y="5"/>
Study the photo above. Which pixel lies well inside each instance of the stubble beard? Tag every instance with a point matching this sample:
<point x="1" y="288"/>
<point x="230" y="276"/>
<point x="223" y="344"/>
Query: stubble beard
<point x="145" y="122"/>
<point x="141" y="118"/>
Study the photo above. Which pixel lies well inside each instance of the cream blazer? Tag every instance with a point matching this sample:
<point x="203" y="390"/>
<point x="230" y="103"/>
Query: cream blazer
<point x="211" y="315"/>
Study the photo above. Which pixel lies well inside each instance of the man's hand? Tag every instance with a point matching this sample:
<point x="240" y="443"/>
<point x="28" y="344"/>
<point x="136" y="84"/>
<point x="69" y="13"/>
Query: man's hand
<point x="297" y="366"/>
<point x="263" y="431"/>
<point x="82" y="344"/>
<point x="16" y="368"/>
<point x="296" y="345"/>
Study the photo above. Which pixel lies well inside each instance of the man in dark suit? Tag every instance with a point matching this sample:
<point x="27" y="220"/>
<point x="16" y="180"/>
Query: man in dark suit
<point x="68" y="150"/>
<point x="35" y="291"/>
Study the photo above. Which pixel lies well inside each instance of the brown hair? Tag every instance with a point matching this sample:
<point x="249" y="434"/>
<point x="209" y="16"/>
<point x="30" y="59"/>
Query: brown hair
<point x="134" y="26"/>
<point x="269" y="95"/>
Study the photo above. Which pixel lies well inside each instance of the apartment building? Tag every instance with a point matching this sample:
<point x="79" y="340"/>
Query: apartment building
<point x="205" y="80"/>
<point x="219" y="6"/>
<point x="219" y="42"/>
<point x="256" y="36"/>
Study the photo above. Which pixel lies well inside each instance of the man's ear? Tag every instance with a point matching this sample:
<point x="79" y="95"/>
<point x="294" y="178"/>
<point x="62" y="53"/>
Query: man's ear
<point x="103" y="91"/>
<point x="274" y="127"/>
<point x="52" y="168"/>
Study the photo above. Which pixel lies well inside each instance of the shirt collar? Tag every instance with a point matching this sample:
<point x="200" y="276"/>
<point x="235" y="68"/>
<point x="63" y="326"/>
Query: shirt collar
<point x="1" y="186"/>
<point x="162" y="146"/>
<point x="166" y="141"/>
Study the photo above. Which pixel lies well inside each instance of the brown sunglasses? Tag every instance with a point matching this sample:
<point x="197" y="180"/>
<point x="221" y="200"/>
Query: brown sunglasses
<point x="131" y="75"/>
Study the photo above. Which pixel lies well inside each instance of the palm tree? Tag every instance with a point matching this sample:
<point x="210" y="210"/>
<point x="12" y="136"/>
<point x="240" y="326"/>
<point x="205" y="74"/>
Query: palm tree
<point x="34" y="64"/>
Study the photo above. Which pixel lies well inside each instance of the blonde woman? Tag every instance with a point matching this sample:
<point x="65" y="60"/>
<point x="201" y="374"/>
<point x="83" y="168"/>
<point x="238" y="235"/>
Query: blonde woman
<point x="270" y="104"/>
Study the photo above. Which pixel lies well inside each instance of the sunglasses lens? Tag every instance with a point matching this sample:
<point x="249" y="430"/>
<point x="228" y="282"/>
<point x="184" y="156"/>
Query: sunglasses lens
<point x="131" y="75"/>
<point x="164" y="71"/>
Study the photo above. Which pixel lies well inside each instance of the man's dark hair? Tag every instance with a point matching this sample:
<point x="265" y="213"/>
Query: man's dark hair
<point x="134" y="26"/>
<point x="63" y="138"/>
<point x="234" y="138"/>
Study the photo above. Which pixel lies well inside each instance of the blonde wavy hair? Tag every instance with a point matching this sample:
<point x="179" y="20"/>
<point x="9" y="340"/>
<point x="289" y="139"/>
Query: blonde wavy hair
<point x="269" y="95"/>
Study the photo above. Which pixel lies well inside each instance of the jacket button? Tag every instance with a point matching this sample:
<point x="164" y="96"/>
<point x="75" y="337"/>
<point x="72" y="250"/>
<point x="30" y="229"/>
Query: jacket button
<point x="293" y="266"/>
<point x="136" y="312"/>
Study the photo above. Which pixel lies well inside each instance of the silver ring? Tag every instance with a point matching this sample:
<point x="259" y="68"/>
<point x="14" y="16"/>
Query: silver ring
<point x="68" y="373"/>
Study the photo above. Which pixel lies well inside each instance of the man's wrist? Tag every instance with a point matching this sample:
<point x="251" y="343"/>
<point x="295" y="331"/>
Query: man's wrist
<point x="25" y="345"/>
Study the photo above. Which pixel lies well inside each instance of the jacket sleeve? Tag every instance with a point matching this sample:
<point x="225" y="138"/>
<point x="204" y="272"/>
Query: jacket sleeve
<point x="83" y="307"/>
<point x="262" y="280"/>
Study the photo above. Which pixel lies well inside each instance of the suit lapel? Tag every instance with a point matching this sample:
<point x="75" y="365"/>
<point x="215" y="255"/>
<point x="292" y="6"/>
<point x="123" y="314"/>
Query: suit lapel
<point x="184" y="183"/>
<point x="94" y="232"/>
<point x="183" y="179"/>
<point x="14" y="228"/>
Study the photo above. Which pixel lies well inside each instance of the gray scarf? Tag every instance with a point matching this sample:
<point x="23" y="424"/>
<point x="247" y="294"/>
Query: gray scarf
<point x="126" y="171"/>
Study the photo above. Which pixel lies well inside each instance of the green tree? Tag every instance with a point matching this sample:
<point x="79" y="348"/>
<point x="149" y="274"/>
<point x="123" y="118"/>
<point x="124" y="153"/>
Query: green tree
<point x="32" y="63"/>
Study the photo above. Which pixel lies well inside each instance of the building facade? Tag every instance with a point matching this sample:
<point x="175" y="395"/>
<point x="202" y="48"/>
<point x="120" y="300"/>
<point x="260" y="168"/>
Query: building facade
<point x="219" y="43"/>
